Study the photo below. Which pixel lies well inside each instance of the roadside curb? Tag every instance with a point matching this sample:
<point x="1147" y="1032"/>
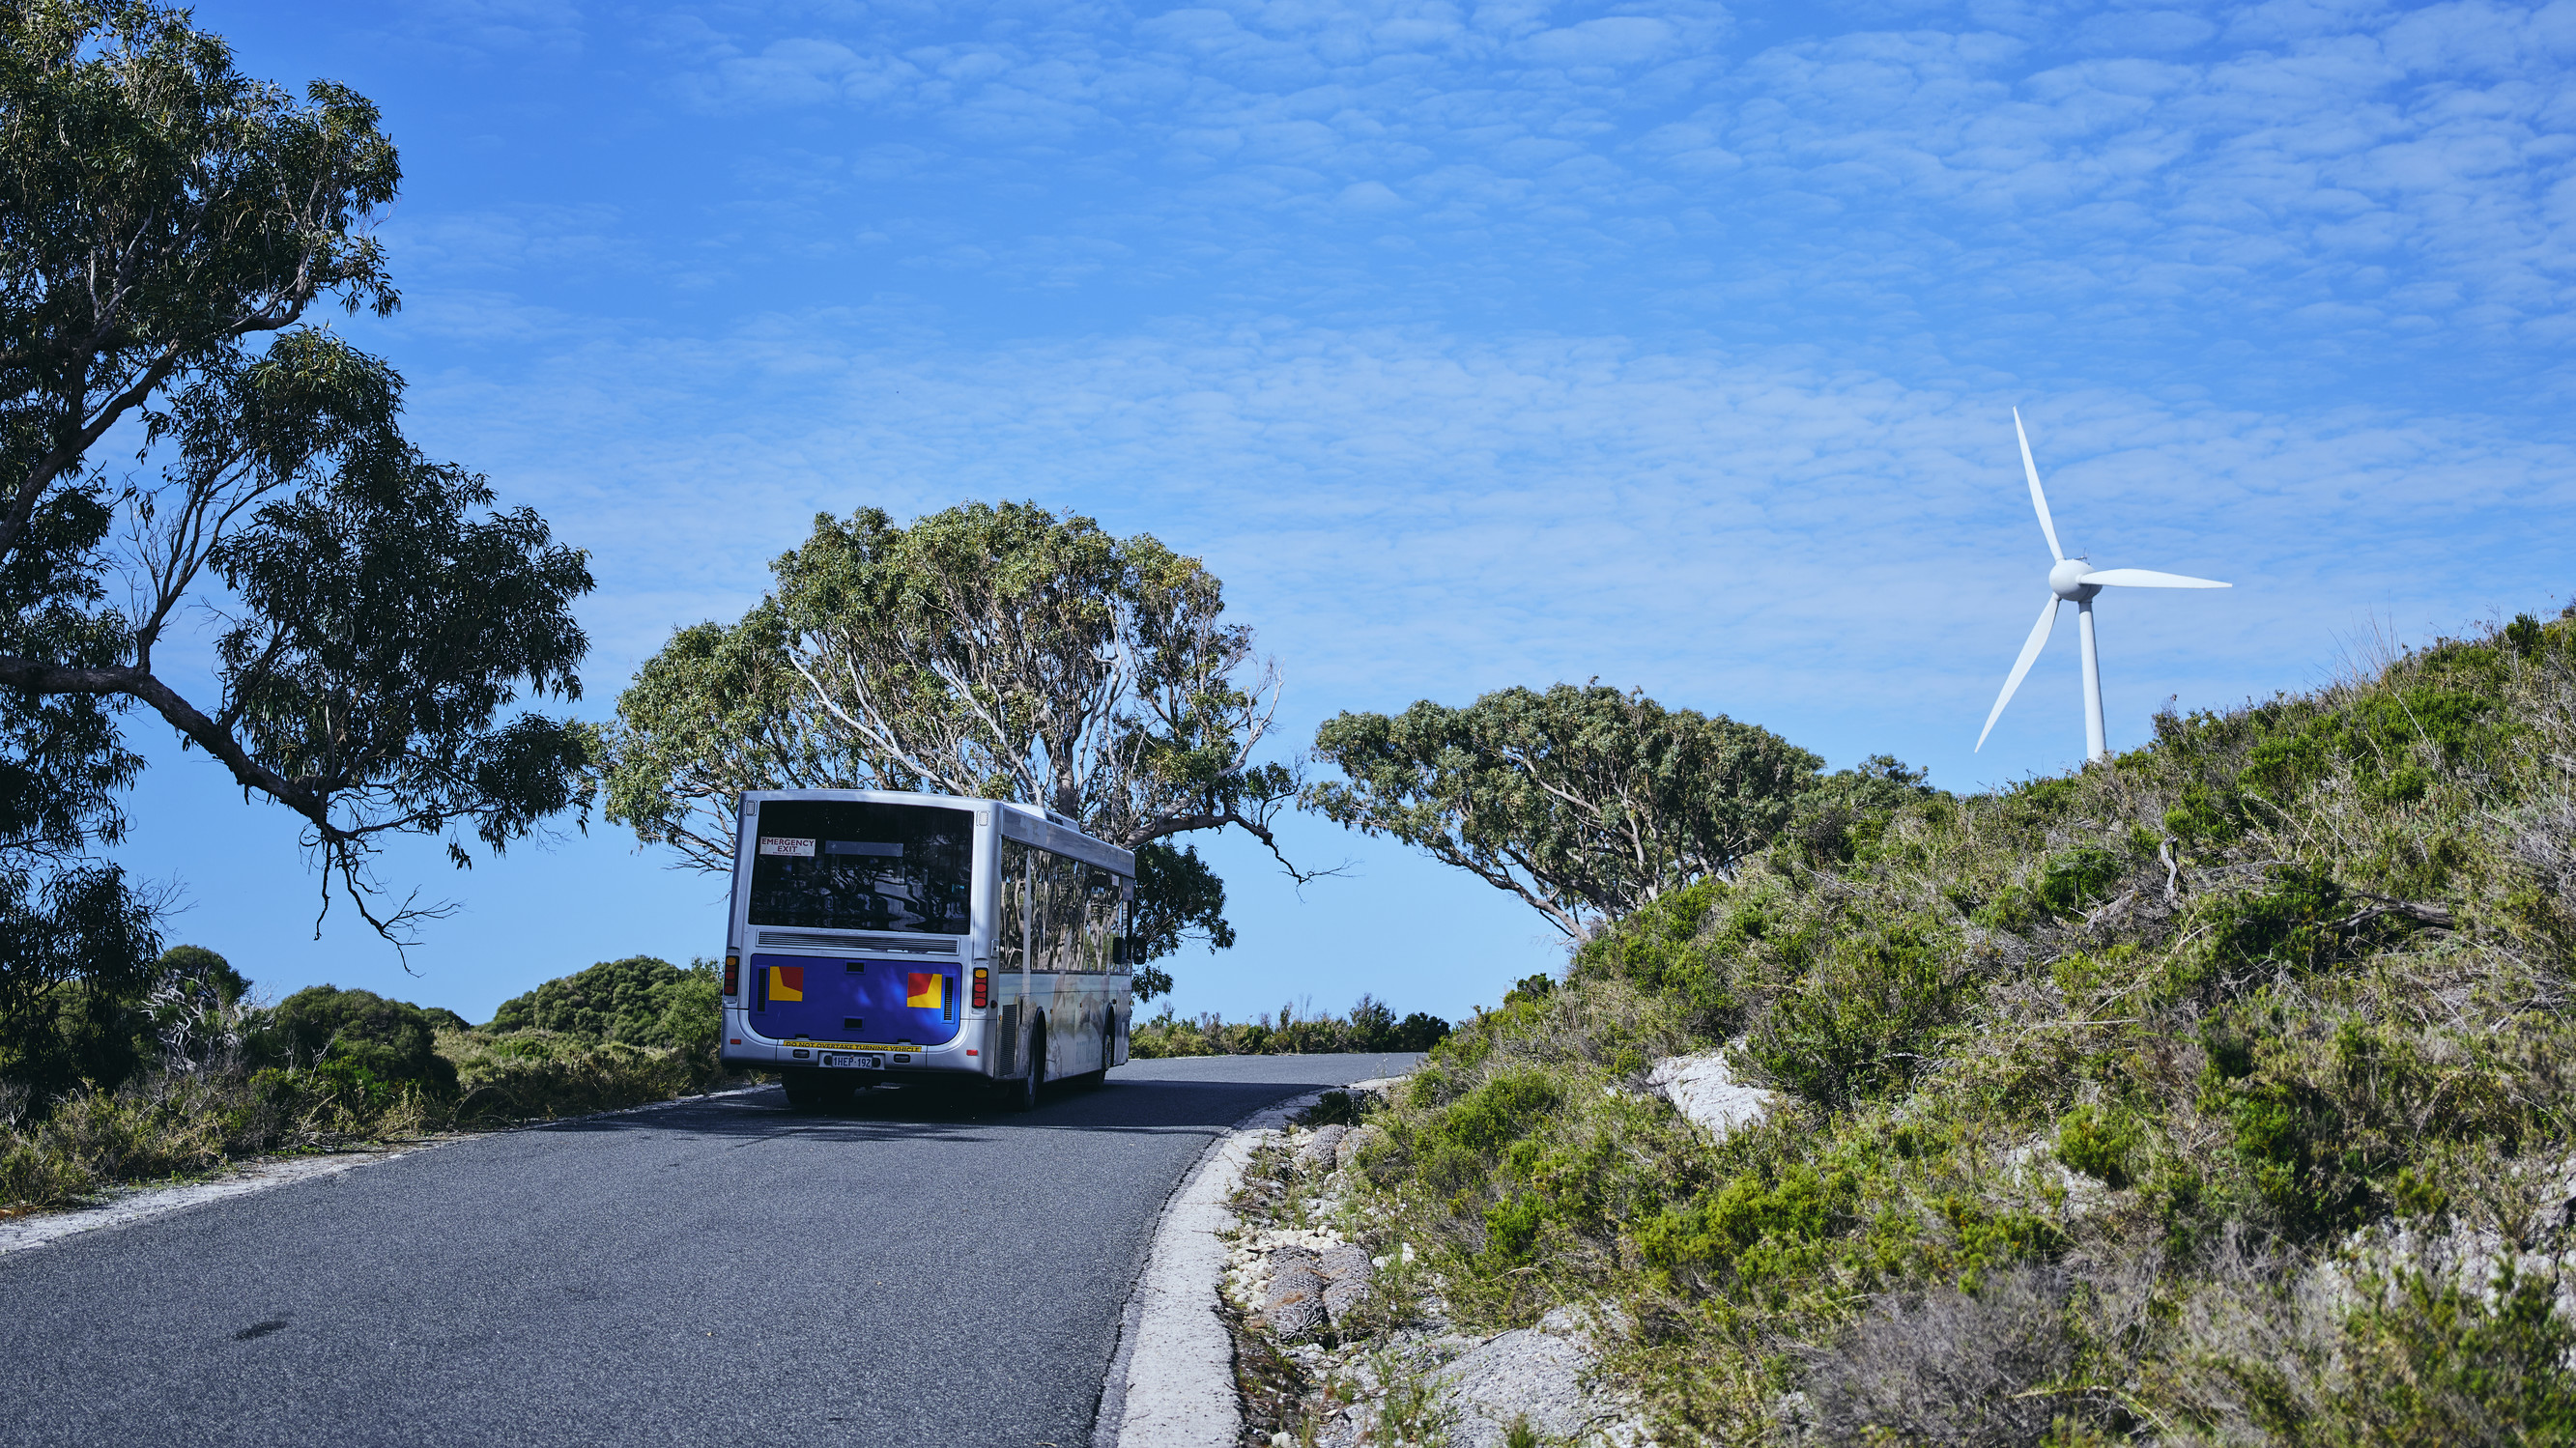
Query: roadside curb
<point x="1171" y="1382"/>
<point x="127" y="1207"/>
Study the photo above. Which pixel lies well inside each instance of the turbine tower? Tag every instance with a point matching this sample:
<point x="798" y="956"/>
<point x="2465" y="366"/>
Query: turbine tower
<point x="2075" y="581"/>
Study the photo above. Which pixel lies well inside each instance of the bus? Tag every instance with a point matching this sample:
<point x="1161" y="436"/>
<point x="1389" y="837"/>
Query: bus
<point x="882" y="936"/>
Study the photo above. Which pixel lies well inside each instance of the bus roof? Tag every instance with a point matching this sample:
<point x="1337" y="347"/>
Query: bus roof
<point x="1025" y="823"/>
<point x="1032" y="827"/>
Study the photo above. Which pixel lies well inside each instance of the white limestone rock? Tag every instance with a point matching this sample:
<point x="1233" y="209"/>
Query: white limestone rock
<point x="1520" y="1374"/>
<point x="1702" y="1088"/>
<point x="1317" y="1153"/>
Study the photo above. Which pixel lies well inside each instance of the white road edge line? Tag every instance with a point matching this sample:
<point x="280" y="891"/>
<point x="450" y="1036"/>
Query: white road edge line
<point x="1171" y="1382"/>
<point x="127" y="1207"/>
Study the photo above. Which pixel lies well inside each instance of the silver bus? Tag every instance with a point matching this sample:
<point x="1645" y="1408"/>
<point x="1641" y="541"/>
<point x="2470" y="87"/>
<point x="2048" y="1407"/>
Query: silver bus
<point x="876" y="935"/>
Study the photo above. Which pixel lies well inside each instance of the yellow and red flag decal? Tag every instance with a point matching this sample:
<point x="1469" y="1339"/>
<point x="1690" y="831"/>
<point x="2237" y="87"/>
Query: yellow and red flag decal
<point x="926" y="990"/>
<point x="787" y="982"/>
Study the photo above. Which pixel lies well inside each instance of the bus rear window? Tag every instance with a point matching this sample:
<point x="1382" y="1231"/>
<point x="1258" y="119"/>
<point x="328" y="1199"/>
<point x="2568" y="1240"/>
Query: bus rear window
<point x="860" y="865"/>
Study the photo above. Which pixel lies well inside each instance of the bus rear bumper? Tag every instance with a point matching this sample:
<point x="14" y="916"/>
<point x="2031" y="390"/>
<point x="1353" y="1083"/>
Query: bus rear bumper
<point x="744" y="1050"/>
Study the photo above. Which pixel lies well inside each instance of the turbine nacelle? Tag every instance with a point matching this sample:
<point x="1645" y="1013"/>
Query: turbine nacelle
<point x="2066" y="580"/>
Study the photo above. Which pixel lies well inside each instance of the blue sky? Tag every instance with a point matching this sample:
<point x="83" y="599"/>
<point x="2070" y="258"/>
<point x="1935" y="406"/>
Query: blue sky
<point x="1471" y="345"/>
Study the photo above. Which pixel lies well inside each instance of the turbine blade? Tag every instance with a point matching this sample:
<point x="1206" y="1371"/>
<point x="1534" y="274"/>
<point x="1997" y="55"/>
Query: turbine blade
<point x="2149" y="578"/>
<point x="2038" y="499"/>
<point x="2029" y="652"/>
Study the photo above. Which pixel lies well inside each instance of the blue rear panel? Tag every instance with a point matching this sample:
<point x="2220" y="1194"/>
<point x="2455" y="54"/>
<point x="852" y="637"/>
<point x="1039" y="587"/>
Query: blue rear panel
<point x="863" y="1002"/>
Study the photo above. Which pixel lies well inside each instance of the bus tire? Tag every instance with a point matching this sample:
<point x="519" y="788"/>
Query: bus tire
<point x="1108" y="1051"/>
<point x="1026" y="1097"/>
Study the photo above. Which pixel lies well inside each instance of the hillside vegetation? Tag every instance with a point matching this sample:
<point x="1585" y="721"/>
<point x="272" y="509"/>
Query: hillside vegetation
<point x="2217" y="1093"/>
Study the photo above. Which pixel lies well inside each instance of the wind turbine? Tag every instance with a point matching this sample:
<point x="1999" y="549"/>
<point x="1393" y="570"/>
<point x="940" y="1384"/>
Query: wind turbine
<point x="2075" y="581"/>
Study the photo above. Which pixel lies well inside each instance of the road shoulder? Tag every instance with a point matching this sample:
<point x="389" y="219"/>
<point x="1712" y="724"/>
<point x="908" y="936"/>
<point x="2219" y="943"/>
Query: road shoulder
<point x="126" y="1206"/>
<point x="1171" y="1383"/>
<point x="142" y="1204"/>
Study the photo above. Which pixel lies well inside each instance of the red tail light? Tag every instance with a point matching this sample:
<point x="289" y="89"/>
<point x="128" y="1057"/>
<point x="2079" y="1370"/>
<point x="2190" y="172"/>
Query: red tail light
<point x="983" y="987"/>
<point x="733" y="975"/>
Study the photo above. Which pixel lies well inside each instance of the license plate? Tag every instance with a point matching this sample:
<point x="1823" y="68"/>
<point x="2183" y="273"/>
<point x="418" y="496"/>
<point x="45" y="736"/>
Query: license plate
<point x="848" y="1060"/>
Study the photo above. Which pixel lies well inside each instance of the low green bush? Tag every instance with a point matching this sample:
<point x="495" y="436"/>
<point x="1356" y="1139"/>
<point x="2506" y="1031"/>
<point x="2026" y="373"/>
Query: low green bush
<point x="540" y="1076"/>
<point x="1370" y="1026"/>
<point x="639" y="1001"/>
<point x="362" y="1036"/>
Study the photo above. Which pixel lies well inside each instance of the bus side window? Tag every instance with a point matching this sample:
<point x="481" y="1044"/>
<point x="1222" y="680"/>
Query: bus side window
<point x="1101" y="908"/>
<point x="1059" y="913"/>
<point x="1011" y="928"/>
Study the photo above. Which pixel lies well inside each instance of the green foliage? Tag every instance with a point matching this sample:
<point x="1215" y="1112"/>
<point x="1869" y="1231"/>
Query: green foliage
<point x="1680" y="946"/>
<point x="2205" y="816"/>
<point x="2388" y="741"/>
<point x="1178" y="898"/>
<point x="2291" y="926"/>
<point x="1418" y="1031"/>
<point x="2070" y="880"/>
<point x="1332" y="1108"/>
<point x="2101" y="1143"/>
<point x="380" y="622"/>
<point x="1584" y="802"/>
<point x="363" y="1036"/>
<point x="101" y="1027"/>
<point x="393" y="618"/>
<point x="537" y="1076"/>
<point x="641" y="1001"/>
<point x="206" y="970"/>
<point x="990" y="650"/>
<point x="76" y="951"/>
<point x="1370" y="1026"/>
<point x="2439" y="1362"/>
<point x="1844" y="814"/>
<point x="330" y="1066"/>
<point x="1858" y="1025"/>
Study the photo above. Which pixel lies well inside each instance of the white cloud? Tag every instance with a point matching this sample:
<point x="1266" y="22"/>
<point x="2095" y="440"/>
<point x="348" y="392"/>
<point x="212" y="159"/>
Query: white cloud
<point x="1612" y="41"/>
<point x="1408" y="513"/>
<point x="2249" y="177"/>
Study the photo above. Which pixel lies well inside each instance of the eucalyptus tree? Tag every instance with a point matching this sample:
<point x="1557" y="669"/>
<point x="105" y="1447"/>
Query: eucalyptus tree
<point x="1584" y="802"/>
<point x="169" y="229"/>
<point x="989" y="650"/>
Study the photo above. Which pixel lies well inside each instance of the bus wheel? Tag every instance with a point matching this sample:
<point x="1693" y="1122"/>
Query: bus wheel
<point x="1026" y="1097"/>
<point x="1108" y="1050"/>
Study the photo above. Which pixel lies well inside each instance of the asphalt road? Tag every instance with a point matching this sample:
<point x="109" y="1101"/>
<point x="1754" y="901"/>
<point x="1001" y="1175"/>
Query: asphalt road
<point x="908" y="1271"/>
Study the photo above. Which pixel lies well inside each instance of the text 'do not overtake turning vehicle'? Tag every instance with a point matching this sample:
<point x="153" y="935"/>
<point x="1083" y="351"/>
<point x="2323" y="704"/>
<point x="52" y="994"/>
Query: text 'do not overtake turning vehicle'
<point x="923" y="936"/>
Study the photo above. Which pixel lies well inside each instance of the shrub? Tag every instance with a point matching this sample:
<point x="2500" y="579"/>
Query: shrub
<point x="206" y="970"/>
<point x="1370" y="1026"/>
<point x="1950" y="1367"/>
<point x="358" y="1031"/>
<point x="641" y="1001"/>
<point x="537" y="1077"/>
<point x="1685" y="945"/>
<point x="1332" y="1108"/>
<point x="2434" y="1361"/>
<point x="1858" y="1026"/>
<point x="2102" y="1144"/>
<point x="1419" y="1031"/>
